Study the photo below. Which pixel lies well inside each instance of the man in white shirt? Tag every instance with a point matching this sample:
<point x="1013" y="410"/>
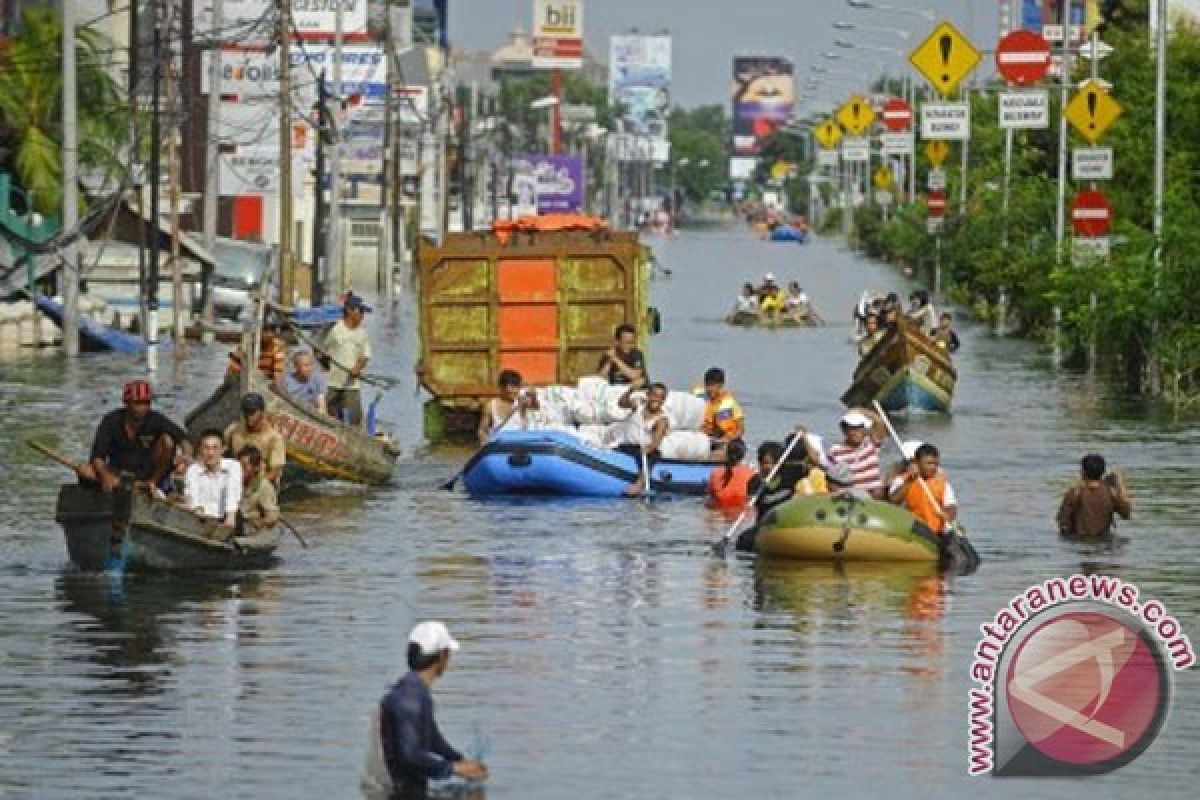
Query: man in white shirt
<point x="213" y="485"/>
<point x="348" y="350"/>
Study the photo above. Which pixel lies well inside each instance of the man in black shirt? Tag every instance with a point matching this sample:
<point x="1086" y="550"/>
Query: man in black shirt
<point x="413" y="748"/>
<point x="624" y="364"/>
<point x="134" y="439"/>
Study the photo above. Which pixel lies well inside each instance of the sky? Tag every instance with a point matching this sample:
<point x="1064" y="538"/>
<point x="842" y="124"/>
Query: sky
<point x="708" y="33"/>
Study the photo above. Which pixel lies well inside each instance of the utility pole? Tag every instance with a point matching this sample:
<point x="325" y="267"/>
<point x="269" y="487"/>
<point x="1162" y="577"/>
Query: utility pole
<point x="287" y="274"/>
<point x="70" y="207"/>
<point x="321" y="259"/>
<point x="387" y="256"/>
<point x="1060" y="218"/>
<point x="212" y="188"/>
<point x="151" y="287"/>
<point x="333" y="236"/>
<point x="1160" y="163"/>
<point x="177" y="304"/>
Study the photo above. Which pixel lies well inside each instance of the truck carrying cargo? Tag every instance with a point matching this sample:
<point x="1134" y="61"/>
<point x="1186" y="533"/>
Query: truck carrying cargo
<point x="540" y="296"/>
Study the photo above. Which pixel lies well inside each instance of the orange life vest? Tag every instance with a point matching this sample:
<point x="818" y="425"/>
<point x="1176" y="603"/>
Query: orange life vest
<point x="917" y="502"/>
<point x="734" y="493"/>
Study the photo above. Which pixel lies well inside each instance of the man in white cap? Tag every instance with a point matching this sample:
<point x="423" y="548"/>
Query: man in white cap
<point x="413" y="748"/>
<point x="770" y="298"/>
<point x="862" y="433"/>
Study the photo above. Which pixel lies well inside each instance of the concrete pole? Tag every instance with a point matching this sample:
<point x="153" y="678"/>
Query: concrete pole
<point x="287" y="274"/>
<point x="1060" y="217"/>
<point x="1160" y="164"/>
<point x="212" y="188"/>
<point x="333" y="236"/>
<point x="151" y="330"/>
<point x="70" y="199"/>
<point x="177" y="304"/>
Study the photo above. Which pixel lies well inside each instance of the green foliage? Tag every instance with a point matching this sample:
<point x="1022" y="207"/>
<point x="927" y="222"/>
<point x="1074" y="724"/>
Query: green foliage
<point x="700" y="134"/>
<point x="31" y="107"/>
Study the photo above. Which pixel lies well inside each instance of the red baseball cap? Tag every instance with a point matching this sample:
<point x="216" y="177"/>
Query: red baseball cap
<point x="137" y="392"/>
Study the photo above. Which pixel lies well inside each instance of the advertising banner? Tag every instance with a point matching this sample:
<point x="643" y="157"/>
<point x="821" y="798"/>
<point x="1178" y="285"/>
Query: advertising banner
<point x="249" y="74"/>
<point x="557" y="34"/>
<point x="639" y="80"/>
<point x="763" y="97"/>
<point x="559" y="179"/>
<point x="252" y="22"/>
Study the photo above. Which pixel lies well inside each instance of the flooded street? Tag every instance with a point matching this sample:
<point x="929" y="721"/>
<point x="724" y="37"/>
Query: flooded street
<point x="606" y="653"/>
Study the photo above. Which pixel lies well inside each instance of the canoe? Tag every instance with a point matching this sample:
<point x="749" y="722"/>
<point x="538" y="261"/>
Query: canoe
<point x="749" y="319"/>
<point x="906" y="370"/>
<point x="318" y="446"/>
<point x="824" y="528"/>
<point x="557" y="463"/>
<point x="158" y="536"/>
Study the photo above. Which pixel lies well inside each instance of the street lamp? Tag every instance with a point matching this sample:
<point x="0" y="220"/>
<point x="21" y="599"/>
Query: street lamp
<point x="868" y="5"/>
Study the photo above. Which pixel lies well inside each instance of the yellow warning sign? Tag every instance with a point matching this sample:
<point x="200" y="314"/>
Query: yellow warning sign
<point x="856" y="115"/>
<point x="828" y="134"/>
<point x="945" y="58"/>
<point x="937" y="151"/>
<point x="884" y="178"/>
<point x="1092" y="111"/>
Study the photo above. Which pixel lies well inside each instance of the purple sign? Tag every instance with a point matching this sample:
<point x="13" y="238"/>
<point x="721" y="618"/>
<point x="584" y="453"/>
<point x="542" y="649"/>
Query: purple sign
<point x="559" y="182"/>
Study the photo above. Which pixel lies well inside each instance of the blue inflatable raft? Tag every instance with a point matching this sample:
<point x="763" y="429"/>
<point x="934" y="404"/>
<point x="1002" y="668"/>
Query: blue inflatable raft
<point x="788" y="233"/>
<point x="556" y="463"/>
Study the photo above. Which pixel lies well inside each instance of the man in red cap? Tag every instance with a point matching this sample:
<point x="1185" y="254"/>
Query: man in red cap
<point x="136" y="440"/>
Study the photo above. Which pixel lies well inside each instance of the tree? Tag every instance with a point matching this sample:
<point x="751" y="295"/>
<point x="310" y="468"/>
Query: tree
<point x="700" y="135"/>
<point x="31" y="107"/>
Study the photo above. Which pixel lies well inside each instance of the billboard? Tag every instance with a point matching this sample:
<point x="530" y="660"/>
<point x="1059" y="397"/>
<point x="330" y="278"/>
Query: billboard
<point x="559" y="179"/>
<point x="639" y="79"/>
<point x="763" y="96"/>
<point x="249" y="74"/>
<point x="557" y="34"/>
<point x="251" y="22"/>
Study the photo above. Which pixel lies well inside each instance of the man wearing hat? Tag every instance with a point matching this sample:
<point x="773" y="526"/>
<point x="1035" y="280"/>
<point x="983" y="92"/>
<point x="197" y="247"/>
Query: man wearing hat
<point x="256" y="429"/>
<point x="770" y="297"/>
<point x="135" y="439"/>
<point x="862" y="433"/>
<point x="348" y="350"/>
<point x="413" y="748"/>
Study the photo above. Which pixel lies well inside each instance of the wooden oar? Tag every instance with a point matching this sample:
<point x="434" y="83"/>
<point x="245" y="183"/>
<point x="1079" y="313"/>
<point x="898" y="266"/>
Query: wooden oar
<point x="292" y="530"/>
<point x="721" y="547"/>
<point x="448" y="486"/>
<point x="54" y="455"/>
<point x="646" y="491"/>
<point x="952" y="529"/>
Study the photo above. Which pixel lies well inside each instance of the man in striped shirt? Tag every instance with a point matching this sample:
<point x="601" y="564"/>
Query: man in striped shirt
<point x="862" y="433"/>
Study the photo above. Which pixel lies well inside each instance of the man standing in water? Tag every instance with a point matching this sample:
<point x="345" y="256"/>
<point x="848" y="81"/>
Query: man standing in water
<point x="413" y="748"/>
<point x="348" y="349"/>
<point x="1089" y="507"/>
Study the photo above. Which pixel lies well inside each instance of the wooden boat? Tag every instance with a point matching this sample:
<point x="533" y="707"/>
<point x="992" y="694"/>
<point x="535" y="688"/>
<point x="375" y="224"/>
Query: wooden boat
<point x="150" y="535"/>
<point x="750" y="319"/>
<point x="318" y="446"/>
<point x="906" y="370"/>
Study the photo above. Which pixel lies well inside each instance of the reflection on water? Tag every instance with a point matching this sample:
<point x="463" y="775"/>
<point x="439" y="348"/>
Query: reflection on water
<point x="606" y="653"/>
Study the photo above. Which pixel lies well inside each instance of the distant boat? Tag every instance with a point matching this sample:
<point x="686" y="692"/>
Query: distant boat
<point x="905" y="370"/>
<point x="788" y="233"/>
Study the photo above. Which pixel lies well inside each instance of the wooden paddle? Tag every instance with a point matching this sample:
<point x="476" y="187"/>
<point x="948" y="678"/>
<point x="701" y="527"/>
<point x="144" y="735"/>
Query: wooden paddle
<point x="952" y="529"/>
<point x="54" y="455"/>
<point x="721" y="547"/>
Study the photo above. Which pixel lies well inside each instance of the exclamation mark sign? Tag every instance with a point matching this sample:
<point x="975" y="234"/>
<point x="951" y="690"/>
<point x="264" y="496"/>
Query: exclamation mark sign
<point x="945" y="42"/>
<point x="855" y="110"/>
<point x="1091" y="101"/>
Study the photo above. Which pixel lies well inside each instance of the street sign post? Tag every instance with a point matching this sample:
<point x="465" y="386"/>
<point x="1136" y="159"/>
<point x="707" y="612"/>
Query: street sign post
<point x="1092" y="164"/>
<point x="856" y="149"/>
<point x="827" y="157"/>
<point x="1023" y="57"/>
<point x="884" y="178"/>
<point x="948" y="121"/>
<point x="935" y="180"/>
<point x="1091" y="215"/>
<point x="856" y="115"/>
<point x="897" y="115"/>
<point x="883" y="197"/>
<point x="828" y="134"/>
<point x="945" y="58"/>
<point x="1092" y="111"/>
<point x="937" y="152"/>
<point x="935" y="201"/>
<point x="1027" y="110"/>
<point x="897" y="144"/>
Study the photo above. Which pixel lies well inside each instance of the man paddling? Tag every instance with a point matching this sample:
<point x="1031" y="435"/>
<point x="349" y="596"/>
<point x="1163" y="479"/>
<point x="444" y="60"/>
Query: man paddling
<point x="937" y="508"/>
<point x="348" y="348"/>
<point x="641" y="433"/>
<point x="136" y="440"/>
<point x="414" y="750"/>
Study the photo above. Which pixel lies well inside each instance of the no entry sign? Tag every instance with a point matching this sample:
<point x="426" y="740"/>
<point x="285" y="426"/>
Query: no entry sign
<point x="897" y="115"/>
<point x="1091" y="215"/>
<point x="936" y="202"/>
<point x="1023" y="57"/>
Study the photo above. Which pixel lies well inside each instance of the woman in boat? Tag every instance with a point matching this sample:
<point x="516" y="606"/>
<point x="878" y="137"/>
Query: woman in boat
<point x="728" y="488"/>
<point x="510" y="410"/>
<point x="641" y="433"/>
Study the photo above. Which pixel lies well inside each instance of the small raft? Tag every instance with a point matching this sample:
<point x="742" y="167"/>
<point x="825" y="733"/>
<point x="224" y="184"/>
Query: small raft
<point x="905" y="370"/>
<point x="788" y="233"/>
<point x="551" y="463"/>
<point x="750" y="319"/>
<point x="825" y="528"/>
<point x="149" y="535"/>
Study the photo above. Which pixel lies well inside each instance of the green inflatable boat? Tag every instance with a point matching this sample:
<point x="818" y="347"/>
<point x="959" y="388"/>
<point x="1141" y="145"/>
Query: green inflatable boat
<point x="825" y="528"/>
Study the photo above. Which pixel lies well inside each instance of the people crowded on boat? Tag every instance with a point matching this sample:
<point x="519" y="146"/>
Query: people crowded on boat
<point x="1089" y="508"/>
<point x="729" y="487"/>
<point x="305" y="383"/>
<point x="641" y="433"/>
<point x="624" y="363"/>
<point x="723" y="417"/>
<point x="138" y="441"/>
<point x="212" y="485"/>
<point x="510" y="410"/>
<point x="934" y="503"/>
<point x="872" y="335"/>
<point x="348" y="349"/>
<point x="259" y="508"/>
<point x="255" y="428"/>
<point x="945" y="336"/>
<point x="922" y="313"/>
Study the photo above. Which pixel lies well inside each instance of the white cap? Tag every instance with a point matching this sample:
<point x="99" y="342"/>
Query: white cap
<point x="856" y="419"/>
<point x="909" y="449"/>
<point x="433" y="638"/>
<point x="769" y="277"/>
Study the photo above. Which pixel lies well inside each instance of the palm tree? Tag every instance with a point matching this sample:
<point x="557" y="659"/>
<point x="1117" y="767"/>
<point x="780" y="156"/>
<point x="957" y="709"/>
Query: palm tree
<point x="31" y="107"/>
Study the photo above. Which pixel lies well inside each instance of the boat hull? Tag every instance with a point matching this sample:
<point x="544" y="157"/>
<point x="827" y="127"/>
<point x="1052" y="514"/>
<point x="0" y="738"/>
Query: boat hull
<point x="823" y="528"/>
<point x="158" y="537"/>
<point x="905" y="371"/>
<point x="551" y="463"/>
<point x="318" y="446"/>
<point x="745" y="319"/>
